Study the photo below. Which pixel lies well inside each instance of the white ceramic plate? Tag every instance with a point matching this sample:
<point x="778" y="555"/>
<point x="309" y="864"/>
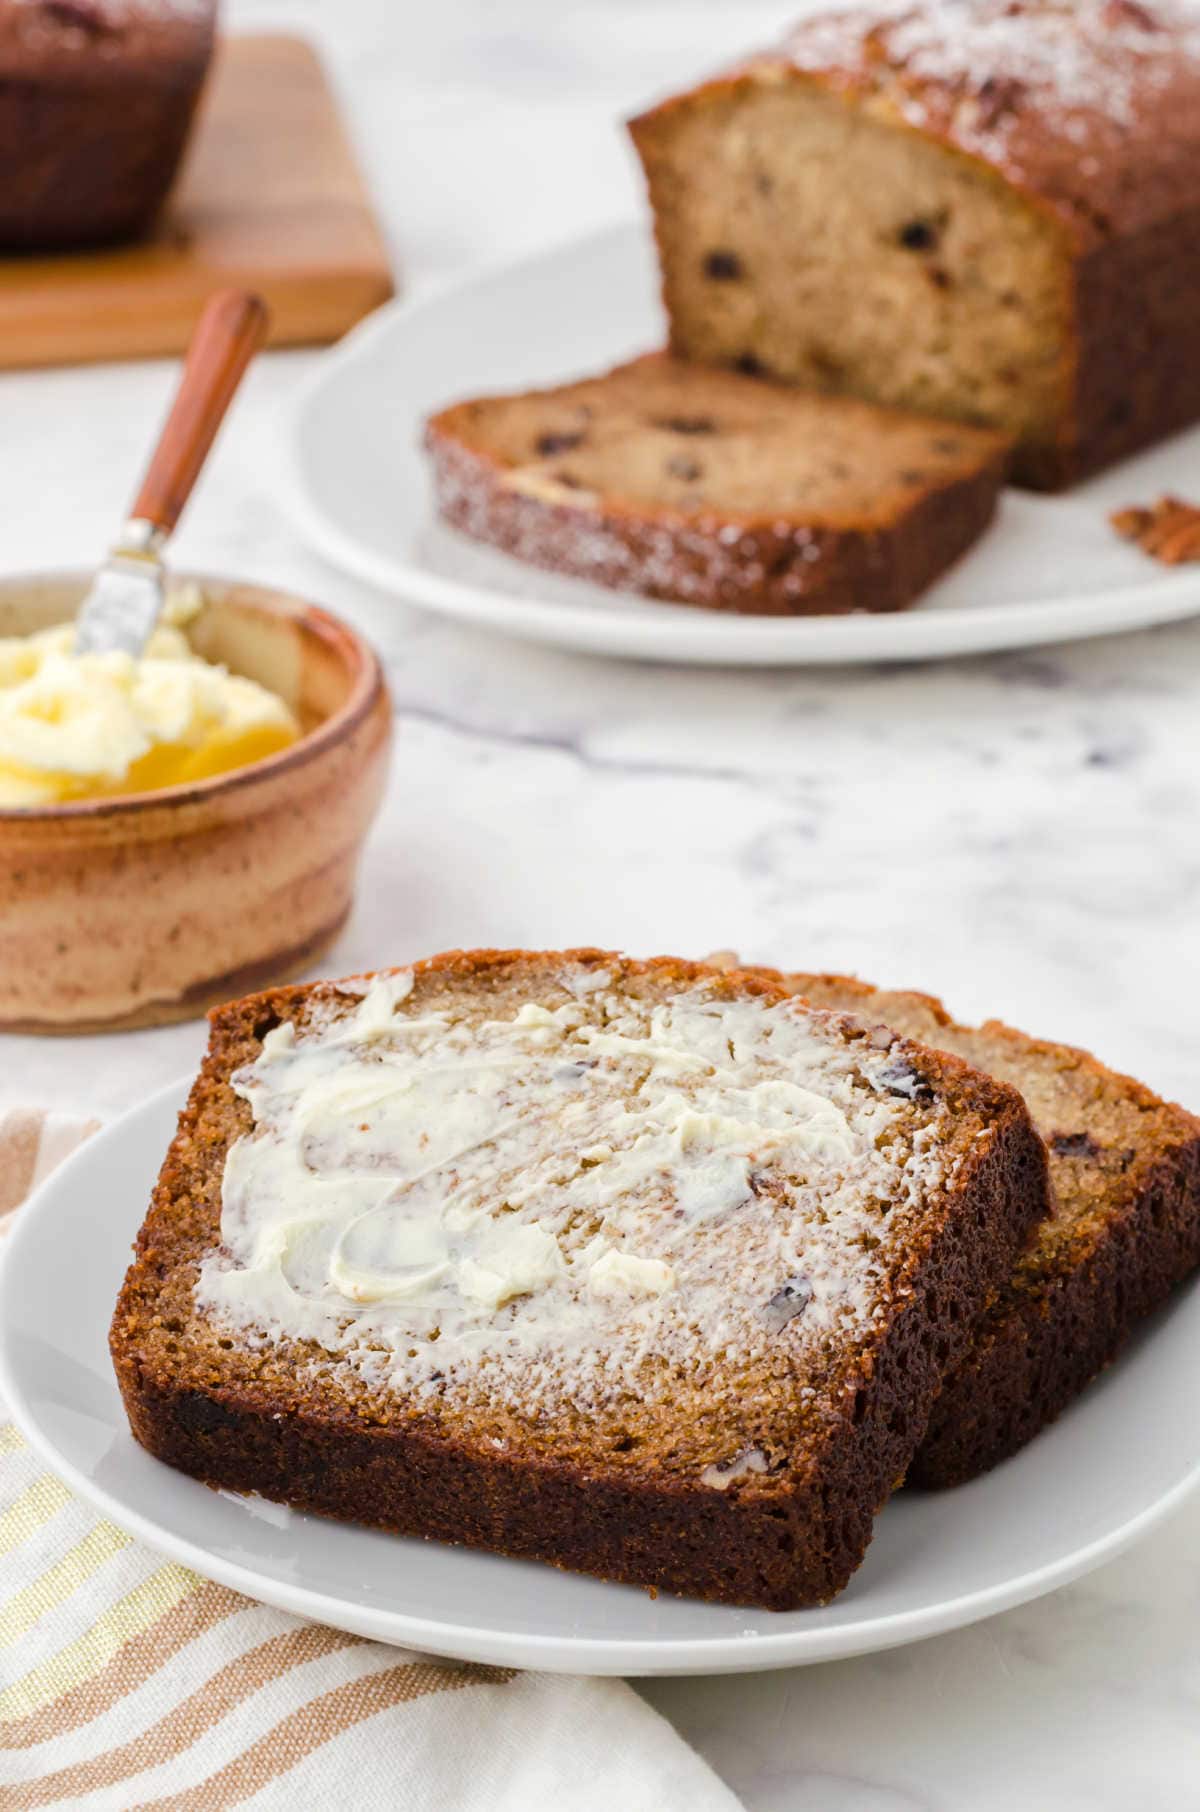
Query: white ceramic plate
<point x="1113" y="1466"/>
<point x="355" y="482"/>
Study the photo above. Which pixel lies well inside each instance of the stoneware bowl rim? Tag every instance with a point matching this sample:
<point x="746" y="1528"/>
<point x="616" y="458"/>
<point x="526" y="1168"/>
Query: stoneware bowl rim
<point x="366" y="685"/>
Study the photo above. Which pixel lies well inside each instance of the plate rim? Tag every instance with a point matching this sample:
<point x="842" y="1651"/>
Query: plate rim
<point x="594" y="1655"/>
<point x="650" y="628"/>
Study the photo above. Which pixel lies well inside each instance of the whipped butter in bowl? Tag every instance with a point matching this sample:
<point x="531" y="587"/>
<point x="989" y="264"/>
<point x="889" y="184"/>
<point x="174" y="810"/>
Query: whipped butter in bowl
<point x="97" y="726"/>
<point x="185" y="825"/>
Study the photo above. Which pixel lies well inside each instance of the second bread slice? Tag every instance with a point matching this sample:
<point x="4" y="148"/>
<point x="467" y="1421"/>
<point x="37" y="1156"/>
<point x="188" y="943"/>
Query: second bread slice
<point x="1125" y="1167"/>
<point x="711" y="488"/>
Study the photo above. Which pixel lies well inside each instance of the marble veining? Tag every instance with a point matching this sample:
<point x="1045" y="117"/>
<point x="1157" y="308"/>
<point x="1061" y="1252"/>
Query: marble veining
<point x="1018" y="833"/>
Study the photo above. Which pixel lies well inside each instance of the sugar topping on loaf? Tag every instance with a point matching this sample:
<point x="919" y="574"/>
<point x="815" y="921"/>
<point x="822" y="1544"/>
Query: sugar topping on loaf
<point x="555" y="1202"/>
<point x="1068" y="64"/>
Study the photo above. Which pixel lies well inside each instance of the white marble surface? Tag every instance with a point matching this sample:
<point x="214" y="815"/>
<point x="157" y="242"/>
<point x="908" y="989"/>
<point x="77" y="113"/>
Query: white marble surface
<point x="1019" y="834"/>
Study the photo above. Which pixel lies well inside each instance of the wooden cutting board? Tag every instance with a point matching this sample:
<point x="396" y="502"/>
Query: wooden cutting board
<point x="269" y="198"/>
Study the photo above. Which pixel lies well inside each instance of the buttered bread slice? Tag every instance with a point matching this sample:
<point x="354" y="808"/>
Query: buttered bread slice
<point x="636" y="1267"/>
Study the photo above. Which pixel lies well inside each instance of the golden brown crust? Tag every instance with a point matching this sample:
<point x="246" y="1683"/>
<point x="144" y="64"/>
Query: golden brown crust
<point x="1106" y="139"/>
<point x="777" y="562"/>
<point x="1125" y="1166"/>
<point x="259" y="1421"/>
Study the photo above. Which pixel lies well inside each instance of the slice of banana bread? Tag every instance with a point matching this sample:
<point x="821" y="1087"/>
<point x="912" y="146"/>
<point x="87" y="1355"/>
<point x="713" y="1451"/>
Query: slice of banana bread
<point x="984" y="209"/>
<point x="637" y="1268"/>
<point x="712" y="488"/>
<point x="1126" y="1173"/>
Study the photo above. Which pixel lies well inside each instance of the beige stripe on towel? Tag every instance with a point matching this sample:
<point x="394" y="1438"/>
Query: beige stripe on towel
<point x="315" y="1724"/>
<point x="20" y="1136"/>
<point x="181" y="1727"/>
<point x="114" y="1655"/>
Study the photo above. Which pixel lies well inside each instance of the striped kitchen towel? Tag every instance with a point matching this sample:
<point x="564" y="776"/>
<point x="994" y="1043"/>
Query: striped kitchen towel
<point x="127" y="1682"/>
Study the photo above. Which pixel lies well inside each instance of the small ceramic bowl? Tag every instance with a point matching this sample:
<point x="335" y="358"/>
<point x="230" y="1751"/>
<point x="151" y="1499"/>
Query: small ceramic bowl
<point x="139" y="910"/>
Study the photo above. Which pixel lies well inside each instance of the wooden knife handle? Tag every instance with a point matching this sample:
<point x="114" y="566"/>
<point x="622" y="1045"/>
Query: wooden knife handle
<point x="231" y="328"/>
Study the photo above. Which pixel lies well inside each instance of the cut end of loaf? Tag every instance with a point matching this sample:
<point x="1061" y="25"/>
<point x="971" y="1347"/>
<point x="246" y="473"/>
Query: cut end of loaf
<point x="804" y="235"/>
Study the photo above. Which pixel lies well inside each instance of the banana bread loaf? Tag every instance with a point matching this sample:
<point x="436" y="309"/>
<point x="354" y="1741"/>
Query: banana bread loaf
<point x="1126" y="1173"/>
<point x="96" y="99"/>
<point x="716" y="489"/>
<point x="637" y="1268"/>
<point x="983" y="209"/>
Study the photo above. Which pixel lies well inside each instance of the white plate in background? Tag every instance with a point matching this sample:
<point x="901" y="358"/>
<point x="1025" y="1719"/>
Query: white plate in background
<point x="1114" y="1465"/>
<point x="356" y="483"/>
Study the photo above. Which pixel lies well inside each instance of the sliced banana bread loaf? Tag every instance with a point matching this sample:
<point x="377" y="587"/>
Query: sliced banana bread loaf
<point x="984" y="209"/>
<point x="716" y="489"/>
<point x="1126" y="1173"/>
<point x="633" y="1267"/>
